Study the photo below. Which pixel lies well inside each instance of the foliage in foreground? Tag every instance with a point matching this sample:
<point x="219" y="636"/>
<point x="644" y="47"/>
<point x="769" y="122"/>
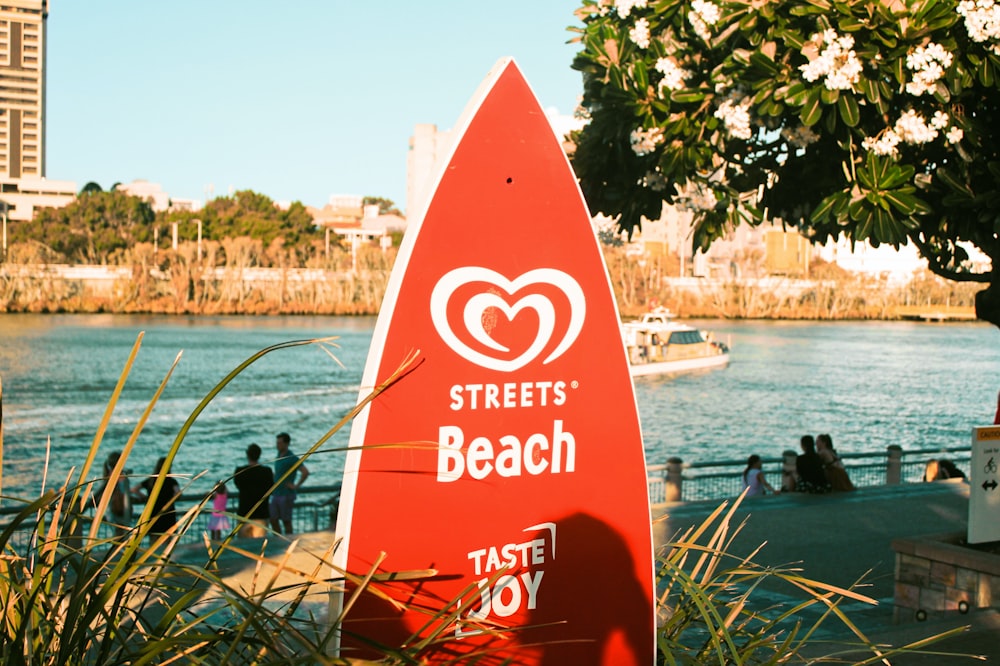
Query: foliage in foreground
<point x="74" y="592"/>
<point x="876" y="120"/>
<point x="709" y="610"/>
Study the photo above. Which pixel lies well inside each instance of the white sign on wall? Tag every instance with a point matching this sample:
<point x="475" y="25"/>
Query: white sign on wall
<point x="984" y="489"/>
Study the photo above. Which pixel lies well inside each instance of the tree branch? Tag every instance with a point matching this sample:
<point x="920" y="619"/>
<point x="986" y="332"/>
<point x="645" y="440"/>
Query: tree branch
<point x="937" y="267"/>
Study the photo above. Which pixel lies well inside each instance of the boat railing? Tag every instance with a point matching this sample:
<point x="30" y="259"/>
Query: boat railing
<point x="678" y="480"/>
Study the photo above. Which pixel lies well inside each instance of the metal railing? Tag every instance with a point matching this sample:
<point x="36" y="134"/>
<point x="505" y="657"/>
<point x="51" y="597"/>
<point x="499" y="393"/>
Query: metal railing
<point x="680" y="481"/>
<point x="316" y="507"/>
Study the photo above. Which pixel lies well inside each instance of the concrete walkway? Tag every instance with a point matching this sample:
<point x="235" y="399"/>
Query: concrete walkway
<point x="845" y="539"/>
<point x="838" y="539"/>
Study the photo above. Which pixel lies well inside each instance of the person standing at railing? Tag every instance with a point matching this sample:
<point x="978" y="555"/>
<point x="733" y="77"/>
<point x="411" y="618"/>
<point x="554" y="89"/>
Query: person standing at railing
<point x="253" y="481"/>
<point x="283" y="497"/>
<point x="754" y="482"/>
<point x="120" y="503"/>
<point x="164" y="514"/>
<point x="218" y="523"/>
<point x="833" y="466"/>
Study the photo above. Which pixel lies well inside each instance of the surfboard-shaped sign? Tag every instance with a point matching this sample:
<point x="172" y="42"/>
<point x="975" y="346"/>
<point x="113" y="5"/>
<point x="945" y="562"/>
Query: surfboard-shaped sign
<point x="509" y="459"/>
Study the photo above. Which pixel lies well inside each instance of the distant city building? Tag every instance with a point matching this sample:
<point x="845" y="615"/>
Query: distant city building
<point x="340" y="210"/>
<point x="22" y="88"/>
<point x="23" y="186"/>
<point x="153" y="194"/>
<point x="427" y="147"/>
<point x="885" y="261"/>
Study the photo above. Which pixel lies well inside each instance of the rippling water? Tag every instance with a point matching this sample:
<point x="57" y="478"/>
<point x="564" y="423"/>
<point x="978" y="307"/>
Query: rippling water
<point x="869" y="384"/>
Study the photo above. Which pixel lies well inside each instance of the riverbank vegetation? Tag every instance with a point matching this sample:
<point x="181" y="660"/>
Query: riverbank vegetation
<point x="829" y="292"/>
<point x="255" y="258"/>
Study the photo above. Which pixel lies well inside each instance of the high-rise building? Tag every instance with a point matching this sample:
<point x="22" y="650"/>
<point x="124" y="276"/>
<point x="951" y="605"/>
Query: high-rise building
<point x="22" y="88"/>
<point x="23" y="186"/>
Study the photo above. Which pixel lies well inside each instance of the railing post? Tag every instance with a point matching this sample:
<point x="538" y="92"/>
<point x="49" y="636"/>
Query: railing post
<point x="894" y="465"/>
<point x="672" y="481"/>
<point x="788" y="470"/>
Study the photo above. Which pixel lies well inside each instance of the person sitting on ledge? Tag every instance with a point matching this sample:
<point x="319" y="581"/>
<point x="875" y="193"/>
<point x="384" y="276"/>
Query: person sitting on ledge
<point x="809" y="468"/>
<point x="942" y="470"/>
<point x="754" y="482"/>
<point x="833" y="466"/>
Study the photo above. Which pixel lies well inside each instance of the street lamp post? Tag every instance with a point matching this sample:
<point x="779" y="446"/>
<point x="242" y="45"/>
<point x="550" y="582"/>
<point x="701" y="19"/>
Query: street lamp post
<point x="3" y="211"/>
<point x="199" y="237"/>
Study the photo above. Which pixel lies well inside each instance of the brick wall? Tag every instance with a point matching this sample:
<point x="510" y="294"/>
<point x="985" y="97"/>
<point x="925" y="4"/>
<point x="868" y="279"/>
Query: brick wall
<point x="938" y="574"/>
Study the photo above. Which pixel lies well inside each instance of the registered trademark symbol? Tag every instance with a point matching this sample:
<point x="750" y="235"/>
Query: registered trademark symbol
<point x="574" y="384"/>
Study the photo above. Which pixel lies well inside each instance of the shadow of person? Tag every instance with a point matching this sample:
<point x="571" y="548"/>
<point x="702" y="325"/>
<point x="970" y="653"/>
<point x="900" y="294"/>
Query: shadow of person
<point x="592" y="606"/>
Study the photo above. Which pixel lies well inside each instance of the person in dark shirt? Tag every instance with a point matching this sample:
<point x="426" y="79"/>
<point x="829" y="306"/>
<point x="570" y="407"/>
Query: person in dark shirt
<point x="164" y="514"/>
<point x="253" y="481"/>
<point x="809" y="469"/>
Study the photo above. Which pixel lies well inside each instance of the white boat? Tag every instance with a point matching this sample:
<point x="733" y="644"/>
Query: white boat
<point x="658" y="345"/>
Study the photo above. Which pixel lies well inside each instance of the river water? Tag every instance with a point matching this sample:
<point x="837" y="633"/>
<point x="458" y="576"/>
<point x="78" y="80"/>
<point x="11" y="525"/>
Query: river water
<point x="868" y="384"/>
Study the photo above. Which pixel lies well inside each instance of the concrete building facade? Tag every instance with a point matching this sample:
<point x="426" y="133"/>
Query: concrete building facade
<point x="22" y="88"/>
<point x="23" y="185"/>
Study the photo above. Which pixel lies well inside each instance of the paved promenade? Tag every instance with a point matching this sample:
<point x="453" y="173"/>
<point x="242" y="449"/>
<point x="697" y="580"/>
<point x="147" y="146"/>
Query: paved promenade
<point x="844" y="538"/>
<point x="838" y="539"/>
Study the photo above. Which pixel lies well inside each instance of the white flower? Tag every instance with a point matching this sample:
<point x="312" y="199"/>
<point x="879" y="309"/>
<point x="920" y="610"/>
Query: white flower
<point x="837" y="62"/>
<point x="800" y="137"/>
<point x="703" y="14"/>
<point x="694" y="196"/>
<point x="624" y="7"/>
<point x="982" y="19"/>
<point x="673" y="76"/>
<point x="927" y="64"/>
<point x="913" y="129"/>
<point x="885" y="144"/>
<point x="954" y="135"/>
<point x="645" y="141"/>
<point x="736" y="118"/>
<point x="940" y="120"/>
<point x="640" y="33"/>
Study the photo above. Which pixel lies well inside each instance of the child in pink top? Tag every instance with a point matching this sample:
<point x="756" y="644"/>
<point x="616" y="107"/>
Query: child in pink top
<point x="219" y="524"/>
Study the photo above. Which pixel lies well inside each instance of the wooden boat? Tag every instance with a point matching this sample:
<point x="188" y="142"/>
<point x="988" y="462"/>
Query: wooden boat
<point x="659" y="345"/>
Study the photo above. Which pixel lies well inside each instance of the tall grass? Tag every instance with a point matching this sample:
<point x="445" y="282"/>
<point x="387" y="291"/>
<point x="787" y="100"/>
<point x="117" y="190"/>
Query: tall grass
<point x="74" y="595"/>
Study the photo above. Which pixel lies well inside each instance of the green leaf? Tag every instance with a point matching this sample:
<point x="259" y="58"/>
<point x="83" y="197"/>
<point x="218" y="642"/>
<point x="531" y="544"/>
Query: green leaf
<point x="812" y="110"/>
<point x="869" y="88"/>
<point x="848" y="110"/>
<point x="849" y="24"/>
<point x="898" y="71"/>
<point x="826" y="207"/>
<point x="764" y="63"/>
<point x="797" y="94"/>
<point x="954" y="183"/>
<point x="641" y="76"/>
<point x="904" y="203"/>
<point x="748" y="22"/>
<point x="687" y="96"/>
<point x="864" y="228"/>
<point x="895" y="176"/>
<point x="791" y="38"/>
<point x="985" y="72"/>
<point x="829" y="96"/>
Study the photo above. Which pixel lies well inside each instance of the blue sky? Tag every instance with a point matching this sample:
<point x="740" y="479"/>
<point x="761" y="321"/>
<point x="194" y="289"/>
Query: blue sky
<point x="317" y="98"/>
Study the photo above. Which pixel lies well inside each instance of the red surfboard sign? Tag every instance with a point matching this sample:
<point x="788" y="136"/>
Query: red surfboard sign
<point x="509" y="459"/>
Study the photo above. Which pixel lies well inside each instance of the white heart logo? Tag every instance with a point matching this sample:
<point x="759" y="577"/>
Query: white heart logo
<point x="475" y="308"/>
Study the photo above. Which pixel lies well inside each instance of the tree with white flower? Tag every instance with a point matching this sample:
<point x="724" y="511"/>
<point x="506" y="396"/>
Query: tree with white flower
<point x="879" y="120"/>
